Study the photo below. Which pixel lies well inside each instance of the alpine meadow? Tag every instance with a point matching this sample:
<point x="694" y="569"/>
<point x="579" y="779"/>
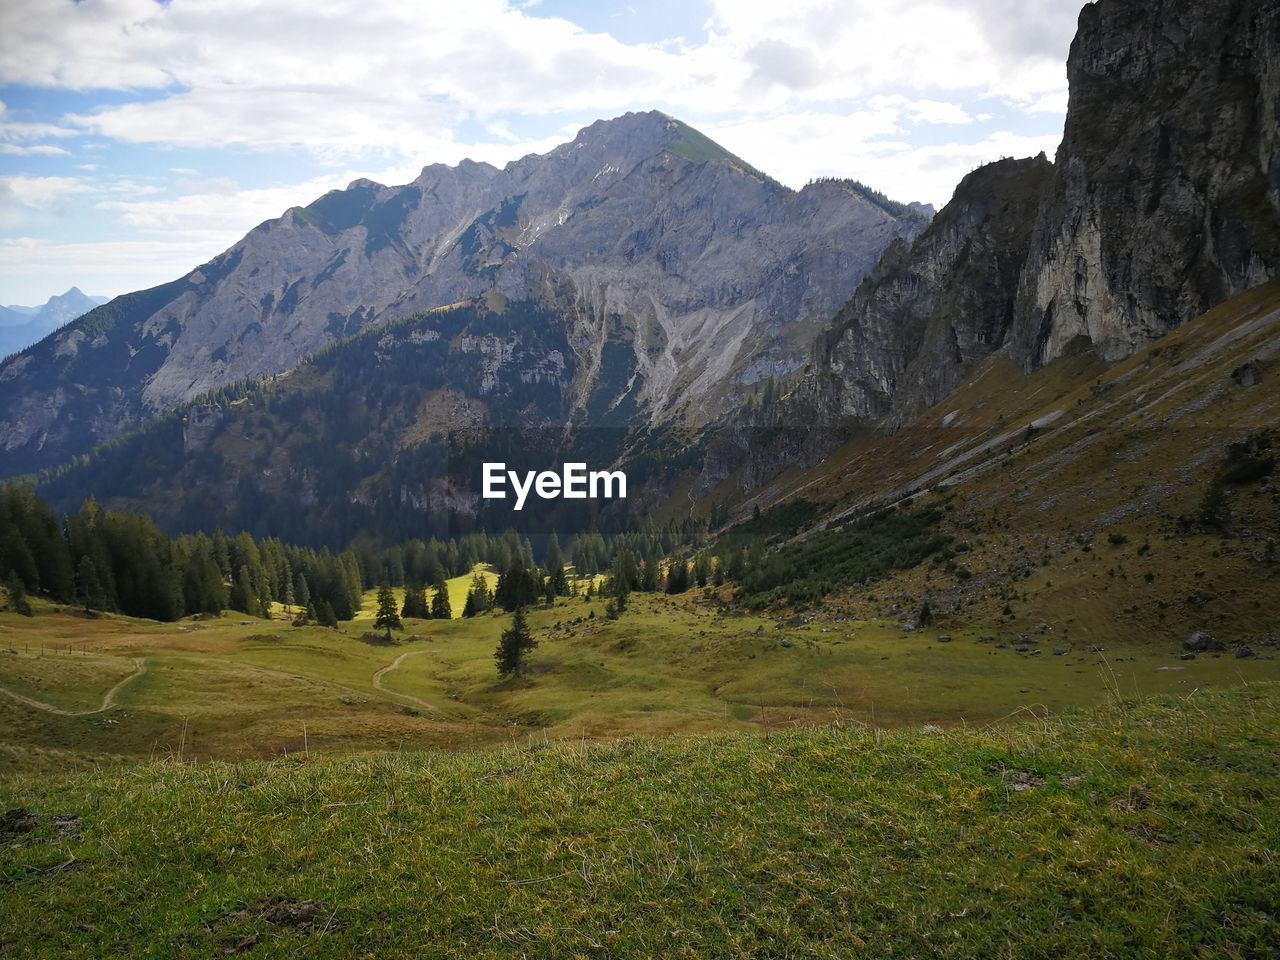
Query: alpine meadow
<point x="598" y="546"/>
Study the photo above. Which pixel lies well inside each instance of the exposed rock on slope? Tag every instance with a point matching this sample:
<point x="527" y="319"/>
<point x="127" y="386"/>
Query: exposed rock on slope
<point x="932" y="307"/>
<point x="680" y="271"/>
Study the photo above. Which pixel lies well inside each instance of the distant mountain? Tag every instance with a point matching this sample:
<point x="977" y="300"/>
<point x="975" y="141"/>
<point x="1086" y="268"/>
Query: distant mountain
<point x="679" y="274"/>
<point x="20" y="327"/>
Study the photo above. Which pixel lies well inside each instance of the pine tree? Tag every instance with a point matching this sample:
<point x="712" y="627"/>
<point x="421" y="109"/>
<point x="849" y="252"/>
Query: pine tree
<point x="325" y="615"/>
<point x="440" y="608"/>
<point x="518" y="586"/>
<point x="925" y="616"/>
<point x="555" y="568"/>
<point x="222" y="553"/>
<point x="415" y="601"/>
<point x="701" y="570"/>
<point x="387" y="618"/>
<point x="16" y="554"/>
<point x="678" y="577"/>
<point x="290" y="598"/>
<point x="88" y="586"/>
<point x="514" y="646"/>
<point x="18" y="601"/>
<point x="202" y="588"/>
<point x="243" y="597"/>
<point x="480" y="590"/>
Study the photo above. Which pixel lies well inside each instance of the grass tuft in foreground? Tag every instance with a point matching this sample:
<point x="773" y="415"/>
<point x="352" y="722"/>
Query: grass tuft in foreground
<point x="1148" y="829"/>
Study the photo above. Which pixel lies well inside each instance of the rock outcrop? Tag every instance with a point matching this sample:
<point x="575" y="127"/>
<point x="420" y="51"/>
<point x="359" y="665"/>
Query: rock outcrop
<point x="933" y="307"/>
<point x="1166" y="192"/>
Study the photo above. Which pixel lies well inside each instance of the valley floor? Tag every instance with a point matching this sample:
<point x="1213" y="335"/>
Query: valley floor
<point x="78" y="691"/>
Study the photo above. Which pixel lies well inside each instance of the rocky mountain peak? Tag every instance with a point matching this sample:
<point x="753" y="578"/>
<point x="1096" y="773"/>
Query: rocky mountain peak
<point x="680" y="273"/>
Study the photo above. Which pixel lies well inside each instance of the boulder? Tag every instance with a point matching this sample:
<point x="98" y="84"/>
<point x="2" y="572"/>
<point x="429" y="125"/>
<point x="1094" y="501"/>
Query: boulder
<point x="1201" y="642"/>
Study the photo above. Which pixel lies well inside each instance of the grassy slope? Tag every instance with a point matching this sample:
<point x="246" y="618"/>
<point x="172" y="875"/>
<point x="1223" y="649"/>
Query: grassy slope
<point x="1133" y="446"/>
<point x="820" y="842"/>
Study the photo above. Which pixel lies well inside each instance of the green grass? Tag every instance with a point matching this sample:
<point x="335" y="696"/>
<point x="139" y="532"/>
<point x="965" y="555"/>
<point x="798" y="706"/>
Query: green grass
<point x="69" y="682"/>
<point x="833" y="841"/>
<point x="239" y="687"/>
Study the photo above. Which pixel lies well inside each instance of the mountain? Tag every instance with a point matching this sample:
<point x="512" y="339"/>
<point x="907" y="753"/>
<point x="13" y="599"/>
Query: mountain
<point x="22" y="326"/>
<point x="367" y="437"/>
<point x="681" y="275"/>
<point x="1163" y="201"/>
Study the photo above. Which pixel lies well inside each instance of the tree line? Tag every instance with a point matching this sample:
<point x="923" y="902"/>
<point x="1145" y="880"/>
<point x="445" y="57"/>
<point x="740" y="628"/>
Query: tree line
<point x="121" y="562"/>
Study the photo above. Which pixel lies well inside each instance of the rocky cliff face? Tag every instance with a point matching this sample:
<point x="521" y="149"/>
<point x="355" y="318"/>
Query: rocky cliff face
<point x="1163" y="201"/>
<point x="932" y="307"/>
<point x="1166" y="194"/>
<point x="681" y="273"/>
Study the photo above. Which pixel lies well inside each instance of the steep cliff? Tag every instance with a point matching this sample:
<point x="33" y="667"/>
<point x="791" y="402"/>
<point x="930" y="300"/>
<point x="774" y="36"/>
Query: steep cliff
<point x="681" y="274"/>
<point x="1166" y="192"/>
<point x="932" y="307"/>
<point x="1163" y="201"/>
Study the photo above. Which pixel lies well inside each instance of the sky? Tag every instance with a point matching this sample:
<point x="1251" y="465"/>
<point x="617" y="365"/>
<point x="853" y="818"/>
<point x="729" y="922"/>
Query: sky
<point x="139" y="138"/>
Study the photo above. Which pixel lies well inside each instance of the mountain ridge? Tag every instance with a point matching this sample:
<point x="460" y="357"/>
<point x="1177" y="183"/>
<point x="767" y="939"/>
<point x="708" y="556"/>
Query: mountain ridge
<point x="707" y="272"/>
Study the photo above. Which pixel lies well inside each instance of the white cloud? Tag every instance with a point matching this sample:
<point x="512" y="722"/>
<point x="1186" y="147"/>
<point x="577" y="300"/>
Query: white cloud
<point x="15" y="136"/>
<point x="859" y="47"/>
<point x="39" y="192"/>
<point x="938" y="111"/>
<point x="348" y="78"/>
<point x="1055" y="102"/>
<point x="23" y="197"/>
<point x="38" y="150"/>
<point x="863" y="147"/>
<point x="29" y="266"/>
<point x="133" y="188"/>
<point x="217" y="209"/>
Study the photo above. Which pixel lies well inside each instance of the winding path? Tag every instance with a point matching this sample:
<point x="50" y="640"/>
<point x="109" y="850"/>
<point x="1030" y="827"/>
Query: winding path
<point x="140" y="667"/>
<point x="378" y="674"/>
<point x="108" y="699"/>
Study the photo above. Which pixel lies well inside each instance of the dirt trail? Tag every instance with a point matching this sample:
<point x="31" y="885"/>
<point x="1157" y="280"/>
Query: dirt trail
<point x="108" y="699"/>
<point x="378" y="674"/>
